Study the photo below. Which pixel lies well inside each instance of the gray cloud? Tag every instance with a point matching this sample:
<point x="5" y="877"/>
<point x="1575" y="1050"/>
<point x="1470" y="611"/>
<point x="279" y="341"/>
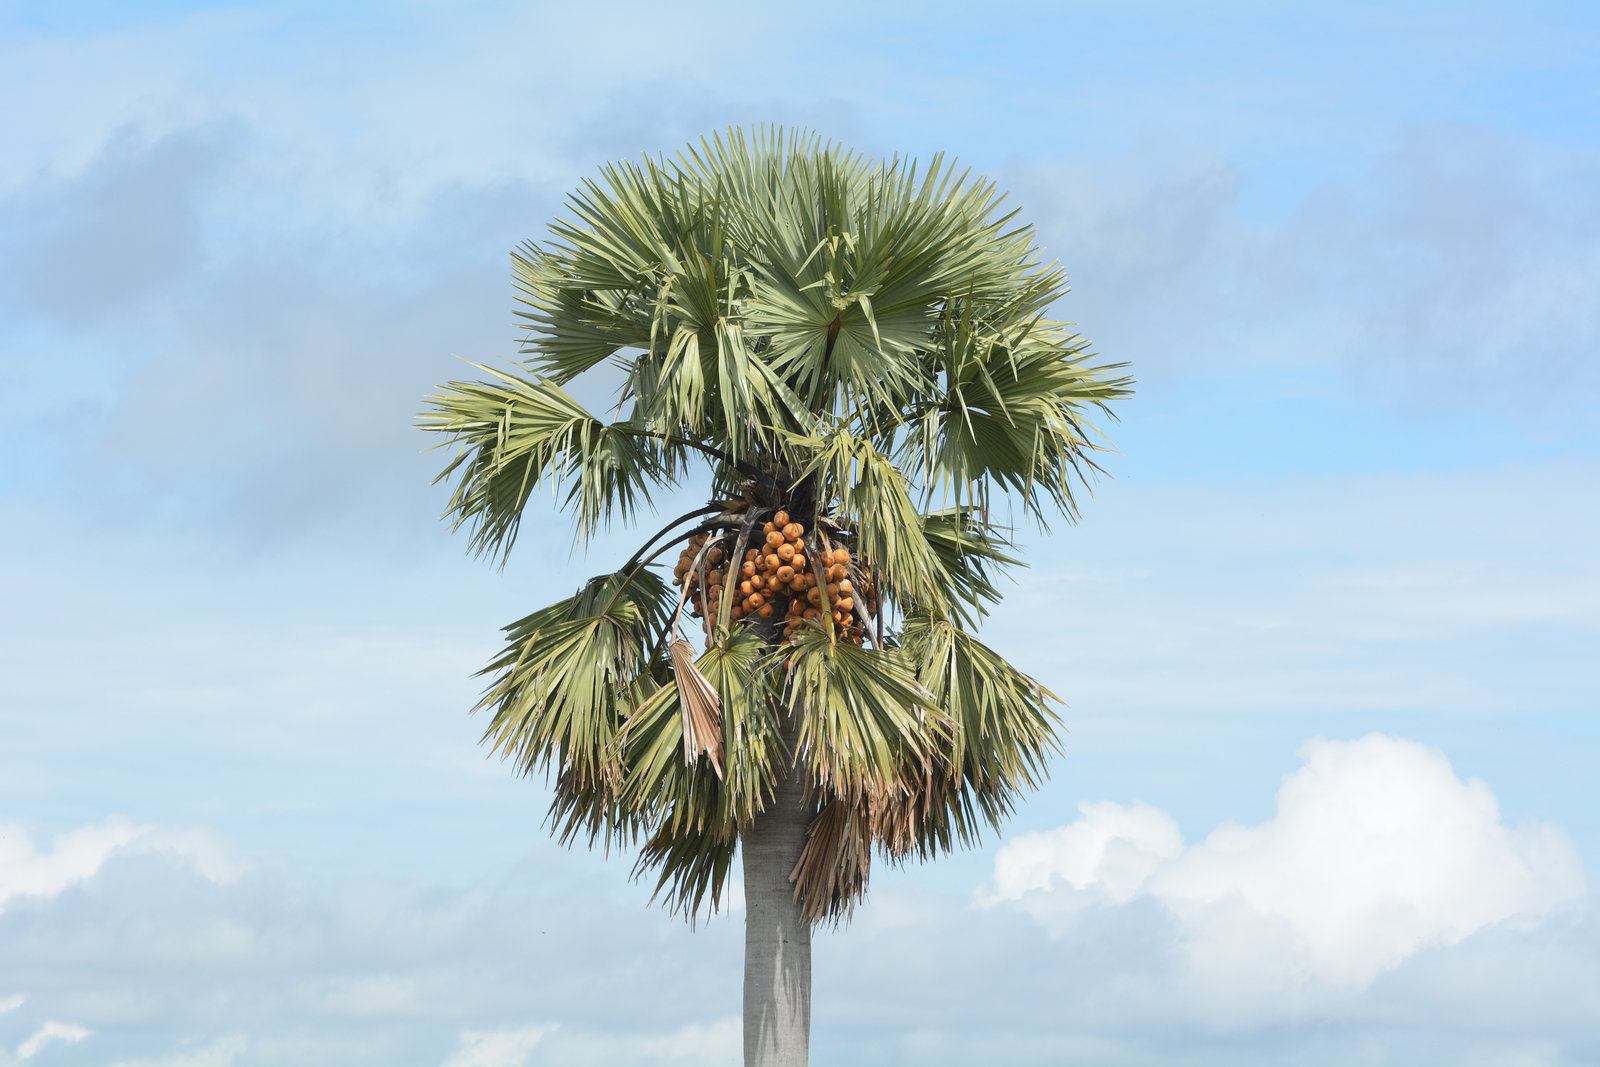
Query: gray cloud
<point x="276" y="391"/>
<point x="87" y="247"/>
<point x="1461" y="271"/>
<point x="1475" y="258"/>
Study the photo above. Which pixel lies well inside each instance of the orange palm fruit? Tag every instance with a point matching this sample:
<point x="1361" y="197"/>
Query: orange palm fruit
<point x="747" y="569"/>
<point x="780" y="519"/>
<point x="765" y="611"/>
<point x="785" y="574"/>
<point x="813" y="614"/>
<point x="814" y="595"/>
<point x="756" y="600"/>
<point x="786" y="552"/>
<point x="746" y="587"/>
<point x="774" y="538"/>
<point x="758" y="582"/>
<point x="846" y="603"/>
<point x="844" y="585"/>
<point x="794" y="531"/>
<point x="773" y="562"/>
<point x="714" y="556"/>
<point x="833" y="590"/>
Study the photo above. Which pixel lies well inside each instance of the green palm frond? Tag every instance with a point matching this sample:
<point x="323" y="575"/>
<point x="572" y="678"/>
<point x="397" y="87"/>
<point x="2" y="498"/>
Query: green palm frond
<point x="559" y="686"/>
<point x="969" y="552"/>
<point x="697" y="814"/>
<point x="873" y="499"/>
<point x="866" y="723"/>
<point x="1005" y="728"/>
<point x="852" y="342"/>
<point x="522" y="434"/>
<point x="1011" y="414"/>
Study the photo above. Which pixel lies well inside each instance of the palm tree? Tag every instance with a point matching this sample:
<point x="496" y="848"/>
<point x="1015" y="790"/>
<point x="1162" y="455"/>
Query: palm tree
<point x="840" y="344"/>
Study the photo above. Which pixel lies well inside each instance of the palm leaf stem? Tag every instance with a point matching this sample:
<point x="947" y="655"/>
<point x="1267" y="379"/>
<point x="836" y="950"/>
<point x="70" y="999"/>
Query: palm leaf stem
<point x="685" y="517"/>
<point x="672" y="620"/>
<point x="725" y="609"/>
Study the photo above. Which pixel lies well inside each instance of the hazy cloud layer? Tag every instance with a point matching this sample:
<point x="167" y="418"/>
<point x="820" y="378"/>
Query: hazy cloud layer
<point x="1384" y="888"/>
<point x="1460" y="271"/>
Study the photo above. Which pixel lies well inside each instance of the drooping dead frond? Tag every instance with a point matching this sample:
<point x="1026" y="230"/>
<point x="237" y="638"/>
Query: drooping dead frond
<point x="831" y="875"/>
<point x="700" y="706"/>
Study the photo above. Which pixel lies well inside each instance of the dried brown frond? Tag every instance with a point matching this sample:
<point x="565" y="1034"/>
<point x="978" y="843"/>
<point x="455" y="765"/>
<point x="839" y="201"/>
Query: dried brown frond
<point x="830" y="877"/>
<point x="701" y="708"/>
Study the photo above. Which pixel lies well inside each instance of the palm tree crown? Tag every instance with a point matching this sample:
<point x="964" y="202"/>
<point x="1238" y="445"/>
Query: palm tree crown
<point x="845" y="344"/>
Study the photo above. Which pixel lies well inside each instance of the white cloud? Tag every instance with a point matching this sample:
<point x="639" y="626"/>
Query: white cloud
<point x="1376" y="852"/>
<point x="496" y="1048"/>
<point x="66" y="1033"/>
<point x="77" y="854"/>
<point x="12" y="1002"/>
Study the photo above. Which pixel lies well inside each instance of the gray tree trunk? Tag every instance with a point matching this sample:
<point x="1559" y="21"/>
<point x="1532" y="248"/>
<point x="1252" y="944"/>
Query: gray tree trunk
<point x="777" y="939"/>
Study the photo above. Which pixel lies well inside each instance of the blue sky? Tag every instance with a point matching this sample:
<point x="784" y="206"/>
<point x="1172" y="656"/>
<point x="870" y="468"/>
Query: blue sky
<point x="1326" y="635"/>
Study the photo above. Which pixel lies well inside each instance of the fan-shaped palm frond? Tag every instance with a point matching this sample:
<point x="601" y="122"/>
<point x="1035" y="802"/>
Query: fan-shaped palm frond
<point x="863" y="354"/>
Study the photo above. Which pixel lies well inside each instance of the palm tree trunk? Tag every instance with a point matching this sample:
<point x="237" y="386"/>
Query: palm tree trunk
<point x="777" y="938"/>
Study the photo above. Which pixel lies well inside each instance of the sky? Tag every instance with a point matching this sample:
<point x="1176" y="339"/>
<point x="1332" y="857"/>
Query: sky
<point x="1325" y="632"/>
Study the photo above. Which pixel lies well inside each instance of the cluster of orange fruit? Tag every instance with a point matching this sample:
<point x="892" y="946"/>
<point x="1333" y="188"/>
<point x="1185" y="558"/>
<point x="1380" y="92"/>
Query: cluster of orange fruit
<point x="778" y="580"/>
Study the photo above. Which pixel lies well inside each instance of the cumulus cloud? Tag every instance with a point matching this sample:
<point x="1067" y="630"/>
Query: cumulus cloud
<point x="77" y="855"/>
<point x="1377" y="851"/>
